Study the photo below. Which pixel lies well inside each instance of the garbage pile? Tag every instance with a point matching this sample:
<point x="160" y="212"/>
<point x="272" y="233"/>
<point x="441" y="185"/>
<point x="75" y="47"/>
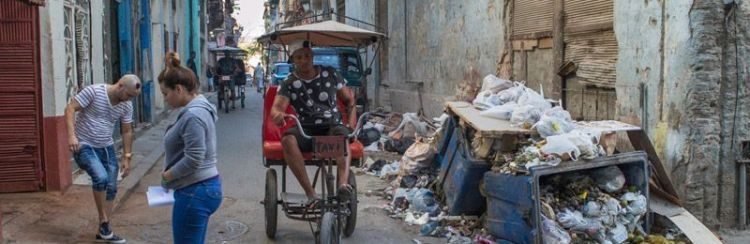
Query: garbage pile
<point x="411" y="180"/>
<point x="394" y="132"/>
<point x="418" y="206"/>
<point x="559" y="138"/>
<point x="596" y="206"/>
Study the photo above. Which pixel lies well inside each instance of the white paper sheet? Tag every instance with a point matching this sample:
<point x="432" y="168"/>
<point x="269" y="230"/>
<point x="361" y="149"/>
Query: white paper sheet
<point x="158" y="196"/>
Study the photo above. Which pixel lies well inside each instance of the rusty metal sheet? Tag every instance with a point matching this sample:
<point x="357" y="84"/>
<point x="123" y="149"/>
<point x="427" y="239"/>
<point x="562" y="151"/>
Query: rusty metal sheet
<point x="584" y="15"/>
<point x="531" y="16"/>
<point x="20" y="100"/>
<point x="595" y="55"/>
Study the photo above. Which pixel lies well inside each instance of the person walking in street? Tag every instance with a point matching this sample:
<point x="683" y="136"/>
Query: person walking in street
<point x="190" y="155"/>
<point x="98" y="107"/>
<point x="210" y="76"/>
<point x="258" y="77"/>
<point x="191" y="63"/>
<point x="313" y="92"/>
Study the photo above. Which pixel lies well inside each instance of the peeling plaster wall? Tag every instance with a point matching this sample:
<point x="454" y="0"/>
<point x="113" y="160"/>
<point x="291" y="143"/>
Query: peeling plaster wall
<point x="695" y="109"/>
<point x="446" y="42"/>
<point x="52" y="58"/>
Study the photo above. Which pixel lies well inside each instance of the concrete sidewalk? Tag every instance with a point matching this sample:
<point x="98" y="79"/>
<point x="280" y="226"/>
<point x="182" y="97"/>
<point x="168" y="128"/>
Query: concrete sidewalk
<point x="70" y="216"/>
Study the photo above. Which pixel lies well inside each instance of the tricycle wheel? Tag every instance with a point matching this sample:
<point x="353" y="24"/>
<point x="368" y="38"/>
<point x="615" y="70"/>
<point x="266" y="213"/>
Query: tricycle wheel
<point x="350" y="222"/>
<point x="329" y="231"/>
<point x="271" y="203"/>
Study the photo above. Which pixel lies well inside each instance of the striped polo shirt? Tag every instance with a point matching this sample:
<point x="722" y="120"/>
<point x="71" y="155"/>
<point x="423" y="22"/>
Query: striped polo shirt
<point x="96" y="122"/>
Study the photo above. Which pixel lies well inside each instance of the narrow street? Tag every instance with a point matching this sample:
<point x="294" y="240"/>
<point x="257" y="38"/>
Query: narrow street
<point x="240" y="218"/>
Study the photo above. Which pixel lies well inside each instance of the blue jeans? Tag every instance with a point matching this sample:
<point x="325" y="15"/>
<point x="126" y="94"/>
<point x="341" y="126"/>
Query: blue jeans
<point x="193" y="205"/>
<point x="101" y="164"/>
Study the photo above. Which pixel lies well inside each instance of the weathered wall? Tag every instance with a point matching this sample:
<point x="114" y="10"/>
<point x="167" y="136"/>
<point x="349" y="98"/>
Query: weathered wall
<point x="539" y="69"/>
<point x="443" y="43"/>
<point x="695" y="108"/>
<point x="366" y="11"/>
<point x="52" y="53"/>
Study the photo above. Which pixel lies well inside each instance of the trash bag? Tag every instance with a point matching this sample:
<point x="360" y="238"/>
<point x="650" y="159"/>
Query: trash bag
<point x="531" y="97"/>
<point x="422" y="200"/>
<point x="419" y="156"/>
<point x="561" y="147"/>
<point x="637" y="203"/>
<point x="368" y="136"/>
<point x="377" y="165"/>
<point x="429" y="228"/>
<point x="410" y="125"/>
<point x="576" y="222"/>
<point x="609" y="179"/>
<point x="592" y="209"/>
<point x="618" y="235"/>
<point x="409" y="181"/>
<point x="554" y="121"/>
<point x="503" y="112"/>
<point x="390" y="169"/>
<point x="552" y="233"/>
<point x="482" y="101"/>
<point x="494" y="84"/>
<point x="587" y="143"/>
<point x="511" y="94"/>
<point x="525" y="116"/>
<point x="398" y="145"/>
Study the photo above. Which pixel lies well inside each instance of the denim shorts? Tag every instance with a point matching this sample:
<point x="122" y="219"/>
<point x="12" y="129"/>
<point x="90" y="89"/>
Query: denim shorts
<point x="101" y="164"/>
<point x="193" y="206"/>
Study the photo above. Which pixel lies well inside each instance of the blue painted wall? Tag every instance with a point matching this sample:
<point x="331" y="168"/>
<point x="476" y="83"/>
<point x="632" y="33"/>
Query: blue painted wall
<point x="124" y="20"/>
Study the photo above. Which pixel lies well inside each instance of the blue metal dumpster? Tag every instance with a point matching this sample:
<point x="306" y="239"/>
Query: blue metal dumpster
<point x="462" y="177"/>
<point x="512" y="200"/>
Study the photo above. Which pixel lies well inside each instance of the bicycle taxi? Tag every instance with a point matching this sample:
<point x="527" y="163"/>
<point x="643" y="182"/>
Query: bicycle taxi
<point x="330" y="219"/>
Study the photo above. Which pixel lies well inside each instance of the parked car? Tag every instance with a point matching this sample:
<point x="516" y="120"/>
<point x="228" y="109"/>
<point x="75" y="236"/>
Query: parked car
<point x="280" y="72"/>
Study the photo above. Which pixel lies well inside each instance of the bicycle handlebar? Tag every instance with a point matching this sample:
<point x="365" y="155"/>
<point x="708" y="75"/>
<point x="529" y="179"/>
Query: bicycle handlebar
<point x="357" y="128"/>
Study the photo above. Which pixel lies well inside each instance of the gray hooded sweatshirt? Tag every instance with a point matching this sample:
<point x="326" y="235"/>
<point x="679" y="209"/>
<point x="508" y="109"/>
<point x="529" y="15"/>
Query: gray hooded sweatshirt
<point x="190" y="144"/>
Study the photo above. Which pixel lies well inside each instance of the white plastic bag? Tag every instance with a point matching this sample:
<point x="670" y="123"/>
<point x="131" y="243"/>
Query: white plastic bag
<point x="561" y="147"/>
<point x="525" y="116"/>
<point x="503" y="112"/>
<point x="495" y="84"/>
<point x="481" y="102"/>
<point x="531" y="97"/>
<point x="586" y="143"/>
<point x="609" y="179"/>
<point x="553" y="233"/>
<point x="554" y="121"/>
<point x="511" y="94"/>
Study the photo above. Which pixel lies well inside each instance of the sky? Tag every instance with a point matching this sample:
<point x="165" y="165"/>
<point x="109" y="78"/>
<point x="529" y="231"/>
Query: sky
<point x="250" y="17"/>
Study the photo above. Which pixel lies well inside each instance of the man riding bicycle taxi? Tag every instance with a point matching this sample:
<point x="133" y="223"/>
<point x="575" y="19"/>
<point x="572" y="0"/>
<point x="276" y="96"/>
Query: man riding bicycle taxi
<point x="313" y="92"/>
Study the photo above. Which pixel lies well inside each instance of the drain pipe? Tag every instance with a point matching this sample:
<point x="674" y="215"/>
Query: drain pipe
<point x="742" y="194"/>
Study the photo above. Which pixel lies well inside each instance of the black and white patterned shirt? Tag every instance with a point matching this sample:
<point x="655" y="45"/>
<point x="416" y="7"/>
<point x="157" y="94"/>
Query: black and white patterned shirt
<point x="96" y="122"/>
<point x="314" y="100"/>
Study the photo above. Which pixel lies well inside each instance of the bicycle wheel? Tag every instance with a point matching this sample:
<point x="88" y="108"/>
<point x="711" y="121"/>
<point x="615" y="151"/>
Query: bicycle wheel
<point x="227" y="97"/>
<point x="350" y="222"/>
<point x="219" y="97"/>
<point x="329" y="233"/>
<point x="242" y="97"/>
<point x="271" y="203"/>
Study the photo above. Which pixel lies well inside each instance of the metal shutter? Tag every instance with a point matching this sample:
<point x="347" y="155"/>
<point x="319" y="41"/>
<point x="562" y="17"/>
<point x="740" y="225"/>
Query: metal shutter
<point x="590" y="41"/>
<point x="20" y="122"/>
<point x="532" y="17"/>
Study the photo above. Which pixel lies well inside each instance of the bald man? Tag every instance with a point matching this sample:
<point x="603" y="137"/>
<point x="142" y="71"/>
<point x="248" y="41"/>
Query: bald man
<point x="98" y="109"/>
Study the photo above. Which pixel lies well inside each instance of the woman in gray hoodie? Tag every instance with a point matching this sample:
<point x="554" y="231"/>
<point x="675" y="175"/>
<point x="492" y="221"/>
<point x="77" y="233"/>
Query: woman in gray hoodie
<point x="190" y="154"/>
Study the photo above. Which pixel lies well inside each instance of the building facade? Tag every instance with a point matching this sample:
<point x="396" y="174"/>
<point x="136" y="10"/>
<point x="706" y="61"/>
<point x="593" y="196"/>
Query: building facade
<point x="51" y="49"/>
